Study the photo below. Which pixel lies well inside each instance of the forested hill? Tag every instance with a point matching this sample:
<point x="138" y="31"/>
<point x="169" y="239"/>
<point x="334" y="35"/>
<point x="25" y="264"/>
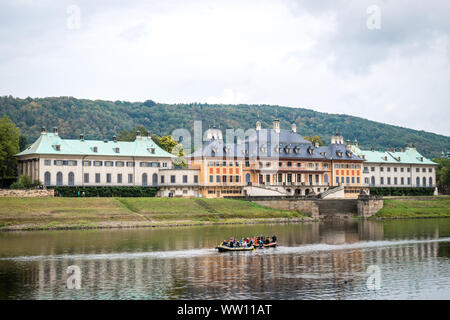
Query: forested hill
<point x="99" y="119"/>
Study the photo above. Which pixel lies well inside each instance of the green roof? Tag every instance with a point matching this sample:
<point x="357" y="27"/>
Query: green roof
<point x="409" y="156"/>
<point x="48" y="144"/>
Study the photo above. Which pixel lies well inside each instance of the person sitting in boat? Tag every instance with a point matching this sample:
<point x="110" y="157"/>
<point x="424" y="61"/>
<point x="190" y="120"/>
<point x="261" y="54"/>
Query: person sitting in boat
<point x="266" y="240"/>
<point x="224" y="243"/>
<point x="274" y="238"/>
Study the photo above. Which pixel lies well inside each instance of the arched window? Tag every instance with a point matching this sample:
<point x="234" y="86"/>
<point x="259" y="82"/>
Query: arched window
<point x="431" y="181"/>
<point x="47" y="180"/>
<point x="59" y="179"/>
<point x="144" y="179"/>
<point x="71" y="179"/>
<point x="155" y="179"/>
<point x="424" y="181"/>
<point x="247" y="177"/>
<point x="418" y="181"/>
<point x="325" y="178"/>
<point x="372" y="180"/>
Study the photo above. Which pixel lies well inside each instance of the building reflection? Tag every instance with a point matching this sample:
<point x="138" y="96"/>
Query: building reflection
<point x="252" y="275"/>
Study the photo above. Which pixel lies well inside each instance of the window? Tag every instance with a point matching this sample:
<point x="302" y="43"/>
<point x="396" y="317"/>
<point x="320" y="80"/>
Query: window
<point x="217" y="178"/>
<point x="409" y="181"/>
<point x="337" y="180"/>
<point x="71" y="179"/>
<point x="237" y="164"/>
<point x="47" y="162"/>
<point x="119" y="178"/>
<point x="224" y="178"/>
<point x="185" y="179"/>
<point x="130" y="164"/>
<point x="381" y="180"/>
<point x="144" y="179"/>
<point x="402" y="181"/>
<point x="431" y="181"/>
<point x="357" y="180"/>
<point x="109" y="164"/>
<point x="236" y="178"/>
<point x="130" y="177"/>
<point x="353" y="180"/>
<point x="388" y="169"/>
<point x="418" y="181"/>
<point x="211" y="179"/>
<point x="381" y="169"/>
<point x="59" y="179"/>
<point x="247" y="178"/>
<point x="58" y="162"/>
<point x="172" y="179"/>
<point x="108" y="178"/>
<point x="430" y="169"/>
<point x="408" y="169"/>
<point x="402" y="169"/>
<point x="47" y="178"/>
<point x="348" y="180"/>
<point x="97" y="178"/>
<point x="424" y="170"/>
<point x="417" y="170"/>
<point x="247" y="163"/>
<point x="389" y="180"/>
<point x="87" y="163"/>
<point x="395" y="180"/>
<point x="424" y="181"/>
<point x="120" y="163"/>
<point x="162" y="179"/>
<point x="395" y="169"/>
<point x="154" y="179"/>
<point x="98" y="163"/>
<point x="195" y="179"/>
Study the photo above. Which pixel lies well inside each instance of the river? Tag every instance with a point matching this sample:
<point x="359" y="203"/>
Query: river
<point x="352" y="259"/>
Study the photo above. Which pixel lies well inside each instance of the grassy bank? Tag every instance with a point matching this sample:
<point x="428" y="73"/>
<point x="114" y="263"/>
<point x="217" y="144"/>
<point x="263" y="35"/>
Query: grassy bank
<point x="436" y="207"/>
<point x="59" y="213"/>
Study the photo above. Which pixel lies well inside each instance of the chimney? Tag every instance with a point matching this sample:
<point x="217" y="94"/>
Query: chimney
<point x="55" y="131"/>
<point x="114" y="138"/>
<point x="138" y="134"/>
<point x="81" y="137"/>
<point x="392" y="149"/>
<point x="355" y="143"/>
<point x="276" y="125"/>
<point x="43" y="130"/>
<point x="413" y="145"/>
<point x="258" y="125"/>
<point x="294" y="127"/>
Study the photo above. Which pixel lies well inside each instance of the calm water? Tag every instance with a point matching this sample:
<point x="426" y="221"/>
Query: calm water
<point x="314" y="261"/>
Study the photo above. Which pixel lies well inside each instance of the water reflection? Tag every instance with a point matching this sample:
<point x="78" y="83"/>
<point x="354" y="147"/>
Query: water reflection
<point x="317" y="261"/>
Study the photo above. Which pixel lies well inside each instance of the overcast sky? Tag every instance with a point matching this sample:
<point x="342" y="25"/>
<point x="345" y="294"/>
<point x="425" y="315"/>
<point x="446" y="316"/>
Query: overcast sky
<point x="313" y="54"/>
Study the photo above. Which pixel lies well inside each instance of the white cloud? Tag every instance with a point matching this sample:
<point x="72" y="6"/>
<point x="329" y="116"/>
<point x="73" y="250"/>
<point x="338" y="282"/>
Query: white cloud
<point x="293" y="53"/>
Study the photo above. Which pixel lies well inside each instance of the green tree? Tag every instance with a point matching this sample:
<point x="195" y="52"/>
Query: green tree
<point x="314" y="139"/>
<point x="443" y="172"/>
<point x="23" y="143"/>
<point x="9" y="146"/>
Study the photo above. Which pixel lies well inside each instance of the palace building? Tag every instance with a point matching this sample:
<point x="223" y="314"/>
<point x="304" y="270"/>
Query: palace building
<point x="67" y="162"/>
<point x="396" y="167"/>
<point x="267" y="162"/>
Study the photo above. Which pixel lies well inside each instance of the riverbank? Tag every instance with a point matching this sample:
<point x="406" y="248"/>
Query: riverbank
<point x="414" y="207"/>
<point x="85" y="213"/>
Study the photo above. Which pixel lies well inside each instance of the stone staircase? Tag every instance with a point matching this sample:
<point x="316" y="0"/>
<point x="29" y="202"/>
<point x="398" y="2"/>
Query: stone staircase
<point x="331" y="192"/>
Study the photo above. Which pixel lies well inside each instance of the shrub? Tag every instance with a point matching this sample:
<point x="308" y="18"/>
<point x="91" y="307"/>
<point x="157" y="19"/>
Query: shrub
<point x="24" y="182"/>
<point x="69" y="191"/>
<point x="393" y="191"/>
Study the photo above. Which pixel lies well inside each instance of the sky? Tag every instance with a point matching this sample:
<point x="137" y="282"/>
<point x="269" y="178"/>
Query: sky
<point x="387" y="61"/>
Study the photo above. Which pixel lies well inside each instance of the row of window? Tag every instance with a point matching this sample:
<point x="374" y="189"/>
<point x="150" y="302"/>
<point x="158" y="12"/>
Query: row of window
<point x="108" y="178"/>
<point x="348" y="180"/>
<point x="222" y="164"/>
<point x="395" y="181"/>
<point x="220" y="178"/>
<point x="88" y="163"/>
<point x="347" y="166"/>
<point x="401" y="169"/>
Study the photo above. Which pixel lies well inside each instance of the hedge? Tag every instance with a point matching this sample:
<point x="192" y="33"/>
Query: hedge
<point x="67" y="191"/>
<point x="392" y="191"/>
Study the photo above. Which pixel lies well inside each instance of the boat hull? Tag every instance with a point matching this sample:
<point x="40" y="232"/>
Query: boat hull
<point x="269" y="245"/>
<point x="228" y="249"/>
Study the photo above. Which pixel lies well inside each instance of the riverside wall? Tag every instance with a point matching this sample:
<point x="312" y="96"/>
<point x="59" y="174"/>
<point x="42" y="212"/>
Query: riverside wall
<point x="365" y="206"/>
